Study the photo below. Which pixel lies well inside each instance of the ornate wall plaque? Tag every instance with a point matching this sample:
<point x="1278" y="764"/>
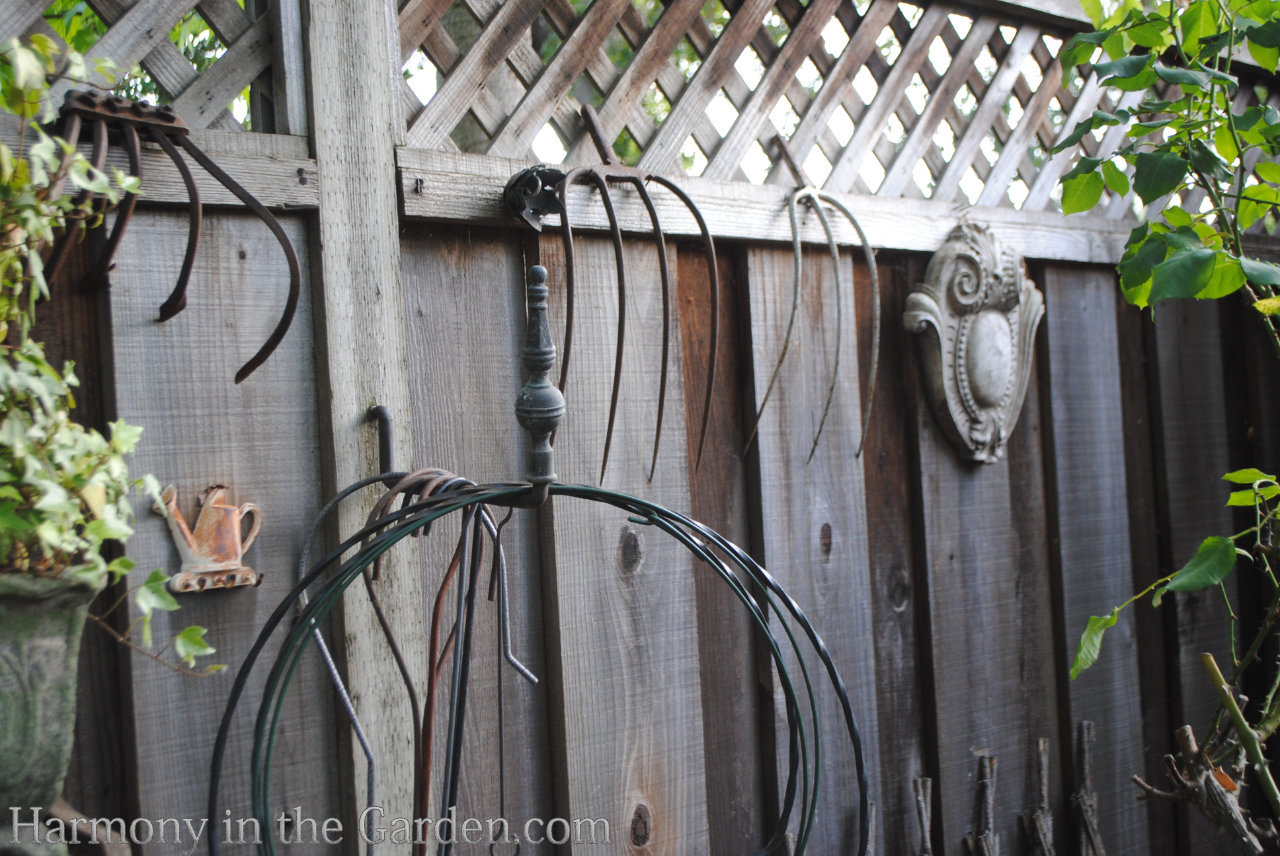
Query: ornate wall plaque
<point x="978" y="311"/>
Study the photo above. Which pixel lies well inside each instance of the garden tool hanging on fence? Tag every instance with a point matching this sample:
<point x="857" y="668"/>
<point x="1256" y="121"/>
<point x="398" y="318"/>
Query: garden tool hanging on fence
<point x="423" y="497"/>
<point x="124" y="122"/>
<point x="815" y="199"/>
<point x="537" y="191"/>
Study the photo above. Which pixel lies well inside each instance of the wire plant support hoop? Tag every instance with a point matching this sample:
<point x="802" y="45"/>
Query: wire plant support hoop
<point x="420" y="499"/>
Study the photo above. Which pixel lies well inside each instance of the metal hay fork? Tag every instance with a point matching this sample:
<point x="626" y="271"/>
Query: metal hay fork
<point x="112" y="116"/>
<point x="529" y="194"/>
<point x="815" y="199"/>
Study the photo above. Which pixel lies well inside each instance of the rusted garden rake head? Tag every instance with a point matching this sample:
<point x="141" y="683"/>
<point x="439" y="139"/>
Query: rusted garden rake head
<point x="118" y="120"/>
<point x="534" y="192"/>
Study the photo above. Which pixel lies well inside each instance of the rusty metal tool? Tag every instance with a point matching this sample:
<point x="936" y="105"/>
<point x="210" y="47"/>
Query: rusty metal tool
<point x="529" y="196"/>
<point x="117" y="118"/>
<point x="815" y="199"/>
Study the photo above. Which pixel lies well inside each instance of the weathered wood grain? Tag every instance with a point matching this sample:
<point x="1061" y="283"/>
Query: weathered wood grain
<point x="623" y="646"/>
<point x="1015" y="148"/>
<point x="464" y="294"/>
<point x="742" y="211"/>
<point x="989" y="610"/>
<point x="358" y="301"/>
<point x="136" y="33"/>
<point x="1089" y="510"/>
<point x="206" y="99"/>
<point x="737" y="771"/>
<point x="1192" y="456"/>
<point x="16" y="17"/>
<point x="812" y="512"/>
<point x="894" y="553"/>
<point x="262" y="439"/>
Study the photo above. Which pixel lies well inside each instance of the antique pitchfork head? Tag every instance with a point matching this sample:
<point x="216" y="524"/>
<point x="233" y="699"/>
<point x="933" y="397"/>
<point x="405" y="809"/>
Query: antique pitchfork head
<point x="112" y="118"/>
<point x="536" y="191"/>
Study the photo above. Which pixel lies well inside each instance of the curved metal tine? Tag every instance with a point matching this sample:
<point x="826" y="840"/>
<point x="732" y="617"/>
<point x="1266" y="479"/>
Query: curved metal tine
<point x="177" y="300"/>
<point x="834" y="249"/>
<point x="566" y="235"/>
<point x="870" y="256"/>
<point x="97" y="159"/>
<point x="295" y="273"/>
<point x="797" y="269"/>
<point x="665" y="277"/>
<point x="709" y="250"/>
<point x="620" y="263"/>
<point x="133" y="148"/>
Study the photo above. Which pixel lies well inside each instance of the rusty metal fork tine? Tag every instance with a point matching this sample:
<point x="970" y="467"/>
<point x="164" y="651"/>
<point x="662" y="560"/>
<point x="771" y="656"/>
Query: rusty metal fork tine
<point x="177" y="300"/>
<point x="665" y="278"/>
<point x="133" y="148"/>
<point x="566" y="234"/>
<point x="295" y="273"/>
<point x="870" y="257"/>
<point x="797" y="267"/>
<point x="834" y="250"/>
<point x="709" y="249"/>
<point x="620" y="263"/>
<point x="97" y="158"/>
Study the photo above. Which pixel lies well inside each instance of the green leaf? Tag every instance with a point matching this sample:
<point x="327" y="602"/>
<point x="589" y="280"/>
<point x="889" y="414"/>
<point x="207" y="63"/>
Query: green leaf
<point x="1225" y="142"/>
<point x="1250" y="498"/>
<point x="1091" y="641"/>
<point x="1181" y="76"/>
<point x="1117" y="182"/>
<point x="1156" y="174"/>
<point x="1083" y="166"/>
<point x="1176" y="217"/>
<point x="1125" y="68"/>
<point x="1184" y="273"/>
<point x="1268" y="171"/>
<point x="1249" y="475"/>
<point x="1081" y="192"/>
<point x="190" y="643"/>
<point x="1207" y="162"/>
<point x="1209" y="566"/>
<point x="1266" y="34"/>
<point x="1227" y="278"/>
<point x="1268" y="306"/>
<point x="1082" y="127"/>
<point x="1266" y="57"/>
<point x="1262" y="273"/>
<point x="1093" y="8"/>
<point x="1197" y="22"/>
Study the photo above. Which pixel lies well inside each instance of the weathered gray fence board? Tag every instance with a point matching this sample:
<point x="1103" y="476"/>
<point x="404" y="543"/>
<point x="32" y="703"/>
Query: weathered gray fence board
<point x="623" y="642"/>
<point x="737" y="770"/>
<point x="813" y="516"/>
<point x="894" y="552"/>
<point x="260" y="438"/>
<point x="1192" y="453"/>
<point x="358" y="267"/>
<point x="989" y="610"/>
<point x="1086" y="432"/>
<point x="464" y="295"/>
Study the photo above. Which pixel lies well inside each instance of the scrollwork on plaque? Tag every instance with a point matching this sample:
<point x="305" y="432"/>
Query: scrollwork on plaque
<point x="978" y="311"/>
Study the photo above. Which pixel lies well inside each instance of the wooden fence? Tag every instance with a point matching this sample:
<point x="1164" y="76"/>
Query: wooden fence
<point x="950" y="594"/>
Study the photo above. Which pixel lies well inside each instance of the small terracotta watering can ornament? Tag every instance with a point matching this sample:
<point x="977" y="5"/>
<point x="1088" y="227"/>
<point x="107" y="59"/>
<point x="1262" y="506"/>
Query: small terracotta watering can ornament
<point x="212" y="554"/>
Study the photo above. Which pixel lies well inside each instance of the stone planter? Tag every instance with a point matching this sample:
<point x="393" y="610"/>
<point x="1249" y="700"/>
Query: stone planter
<point x="41" y="620"/>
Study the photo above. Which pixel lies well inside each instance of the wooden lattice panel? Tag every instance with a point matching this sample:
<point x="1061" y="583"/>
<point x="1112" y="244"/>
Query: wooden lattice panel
<point x="235" y="55"/>
<point x="880" y="97"/>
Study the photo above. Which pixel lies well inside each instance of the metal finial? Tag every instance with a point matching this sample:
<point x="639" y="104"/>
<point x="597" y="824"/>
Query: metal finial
<point x="539" y="404"/>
